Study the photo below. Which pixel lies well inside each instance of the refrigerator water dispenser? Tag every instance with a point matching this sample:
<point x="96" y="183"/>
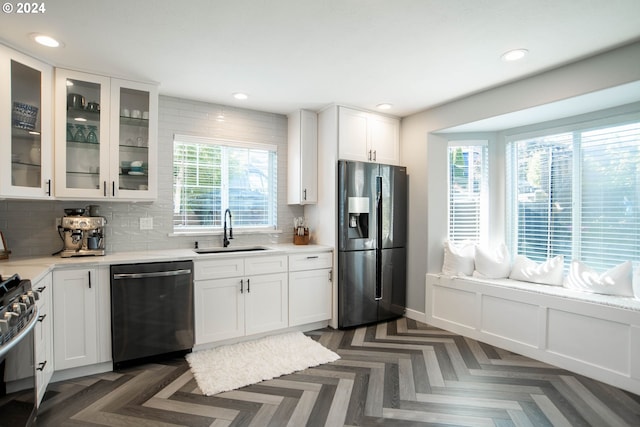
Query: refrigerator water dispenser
<point x="358" y="217"/>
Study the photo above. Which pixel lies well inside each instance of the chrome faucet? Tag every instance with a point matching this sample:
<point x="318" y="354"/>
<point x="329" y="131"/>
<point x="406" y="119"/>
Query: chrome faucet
<point x="225" y="240"/>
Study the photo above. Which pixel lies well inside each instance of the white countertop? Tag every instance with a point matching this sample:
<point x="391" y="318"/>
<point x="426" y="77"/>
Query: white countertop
<point x="35" y="268"/>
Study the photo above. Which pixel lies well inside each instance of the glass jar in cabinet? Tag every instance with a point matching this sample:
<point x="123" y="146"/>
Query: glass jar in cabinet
<point x="134" y="124"/>
<point x="82" y="135"/>
<point x="26" y="126"/>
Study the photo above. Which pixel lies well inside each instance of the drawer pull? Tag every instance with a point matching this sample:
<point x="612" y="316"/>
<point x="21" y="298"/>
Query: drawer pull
<point x="313" y="257"/>
<point x="41" y="366"/>
<point x="41" y="318"/>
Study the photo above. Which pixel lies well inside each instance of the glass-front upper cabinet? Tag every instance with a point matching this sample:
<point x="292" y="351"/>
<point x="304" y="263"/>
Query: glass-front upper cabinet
<point x="134" y="125"/>
<point x="82" y="134"/>
<point x="26" y="131"/>
<point x="106" y="138"/>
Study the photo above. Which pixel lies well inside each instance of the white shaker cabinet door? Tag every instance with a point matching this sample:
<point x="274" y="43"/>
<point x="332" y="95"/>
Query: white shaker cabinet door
<point x="75" y="318"/>
<point x="219" y="309"/>
<point x="309" y="296"/>
<point x="352" y="135"/>
<point x="384" y="139"/>
<point x="266" y="302"/>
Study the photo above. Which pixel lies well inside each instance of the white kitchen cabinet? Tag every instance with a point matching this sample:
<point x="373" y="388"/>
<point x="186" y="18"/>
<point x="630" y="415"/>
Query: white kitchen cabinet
<point x="81" y="326"/>
<point x="240" y="296"/>
<point x="266" y="300"/>
<point x="26" y="128"/>
<point x="310" y="282"/>
<point x="302" y="152"/>
<point x="106" y="148"/>
<point x="43" y="336"/>
<point x="219" y="310"/>
<point x="368" y="137"/>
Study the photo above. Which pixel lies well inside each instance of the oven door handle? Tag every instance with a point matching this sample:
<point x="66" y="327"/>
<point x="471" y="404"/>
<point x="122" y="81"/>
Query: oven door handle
<point x="4" y="349"/>
<point x="152" y="274"/>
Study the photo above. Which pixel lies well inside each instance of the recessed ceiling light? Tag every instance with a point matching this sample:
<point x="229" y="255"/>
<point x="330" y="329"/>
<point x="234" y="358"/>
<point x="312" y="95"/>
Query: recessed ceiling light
<point x="240" y="95"/>
<point x="514" y="55"/>
<point x="383" y="106"/>
<point x="46" y="40"/>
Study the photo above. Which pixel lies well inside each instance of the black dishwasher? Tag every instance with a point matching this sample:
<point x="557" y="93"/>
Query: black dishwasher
<point x="151" y="311"/>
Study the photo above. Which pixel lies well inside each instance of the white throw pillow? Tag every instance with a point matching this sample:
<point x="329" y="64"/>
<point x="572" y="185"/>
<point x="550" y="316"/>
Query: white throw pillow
<point x="548" y="273"/>
<point x="492" y="263"/>
<point x="616" y="281"/>
<point x="458" y="259"/>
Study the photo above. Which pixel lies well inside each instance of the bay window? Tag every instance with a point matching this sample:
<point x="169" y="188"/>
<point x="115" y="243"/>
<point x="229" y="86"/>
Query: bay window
<point x="575" y="192"/>
<point x="468" y="176"/>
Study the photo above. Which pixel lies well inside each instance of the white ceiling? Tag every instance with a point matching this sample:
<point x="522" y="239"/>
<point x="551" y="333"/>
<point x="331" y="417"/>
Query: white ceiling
<point x="291" y="54"/>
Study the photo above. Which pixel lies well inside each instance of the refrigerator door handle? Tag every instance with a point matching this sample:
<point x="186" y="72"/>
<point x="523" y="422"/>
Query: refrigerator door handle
<point x="378" y="212"/>
<point x="378" y="294"/>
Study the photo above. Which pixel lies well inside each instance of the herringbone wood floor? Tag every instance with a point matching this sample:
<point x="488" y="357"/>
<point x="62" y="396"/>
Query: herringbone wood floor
<point x="400" y="373"/>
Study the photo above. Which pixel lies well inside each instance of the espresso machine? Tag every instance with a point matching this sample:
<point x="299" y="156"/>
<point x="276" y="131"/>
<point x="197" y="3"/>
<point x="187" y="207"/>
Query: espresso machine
<point x="82" y="235"/>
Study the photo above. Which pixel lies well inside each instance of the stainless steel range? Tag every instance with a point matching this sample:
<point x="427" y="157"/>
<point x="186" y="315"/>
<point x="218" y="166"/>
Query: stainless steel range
<point x="18" y="316"/>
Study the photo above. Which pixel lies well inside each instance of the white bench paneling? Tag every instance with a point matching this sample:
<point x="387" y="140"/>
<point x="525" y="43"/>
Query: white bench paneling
<point x="455" y="306"/>
<point x="590" y="340"/>
<point x="522" y="323"/>
<point x="593" y="335"/>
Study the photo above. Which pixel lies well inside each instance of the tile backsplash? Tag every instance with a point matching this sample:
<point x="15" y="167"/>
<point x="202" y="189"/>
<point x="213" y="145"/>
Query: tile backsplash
<point x="29" y="226"/>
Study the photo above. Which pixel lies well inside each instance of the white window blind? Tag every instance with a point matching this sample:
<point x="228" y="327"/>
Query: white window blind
<point x="211" y="176"/>
<point x="468" y="176"/>
<point x="576" y="193"/>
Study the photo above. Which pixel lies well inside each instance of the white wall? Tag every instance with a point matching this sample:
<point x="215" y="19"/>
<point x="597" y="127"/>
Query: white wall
<point x="425" y="153"/>
<point x="28" y="226"/>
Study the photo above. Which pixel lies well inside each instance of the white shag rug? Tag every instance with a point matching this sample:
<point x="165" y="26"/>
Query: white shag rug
<point x="233" y="366"/>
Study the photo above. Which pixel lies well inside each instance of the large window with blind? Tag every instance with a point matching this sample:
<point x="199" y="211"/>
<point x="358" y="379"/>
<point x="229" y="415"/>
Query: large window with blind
<point x="210" y="176"/>
<point x="468" y="178"/>
<point x="576" y="193"/>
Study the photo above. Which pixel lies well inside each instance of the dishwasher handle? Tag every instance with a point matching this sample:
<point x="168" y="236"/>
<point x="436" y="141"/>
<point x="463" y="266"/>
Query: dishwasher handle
<point x="152" y="274"/>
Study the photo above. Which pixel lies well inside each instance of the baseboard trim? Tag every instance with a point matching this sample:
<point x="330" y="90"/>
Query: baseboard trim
<point x="416" y="315"/>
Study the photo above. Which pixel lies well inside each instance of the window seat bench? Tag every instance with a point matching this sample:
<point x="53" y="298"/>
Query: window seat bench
<point x="590" y="334"/>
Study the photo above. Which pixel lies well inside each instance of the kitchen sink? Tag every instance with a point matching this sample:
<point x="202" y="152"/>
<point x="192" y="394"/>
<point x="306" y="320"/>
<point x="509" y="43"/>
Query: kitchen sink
<point x="230" y="249"/>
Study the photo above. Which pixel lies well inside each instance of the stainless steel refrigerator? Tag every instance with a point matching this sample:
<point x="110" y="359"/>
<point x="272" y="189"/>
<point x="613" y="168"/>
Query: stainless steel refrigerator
<point x="372" y="235"/>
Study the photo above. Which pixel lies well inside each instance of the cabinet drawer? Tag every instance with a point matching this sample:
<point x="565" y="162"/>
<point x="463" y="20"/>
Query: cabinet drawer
<point x="265" y="265"/>
<point x="310" y="261"/>
<point x="218" y="268"/>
